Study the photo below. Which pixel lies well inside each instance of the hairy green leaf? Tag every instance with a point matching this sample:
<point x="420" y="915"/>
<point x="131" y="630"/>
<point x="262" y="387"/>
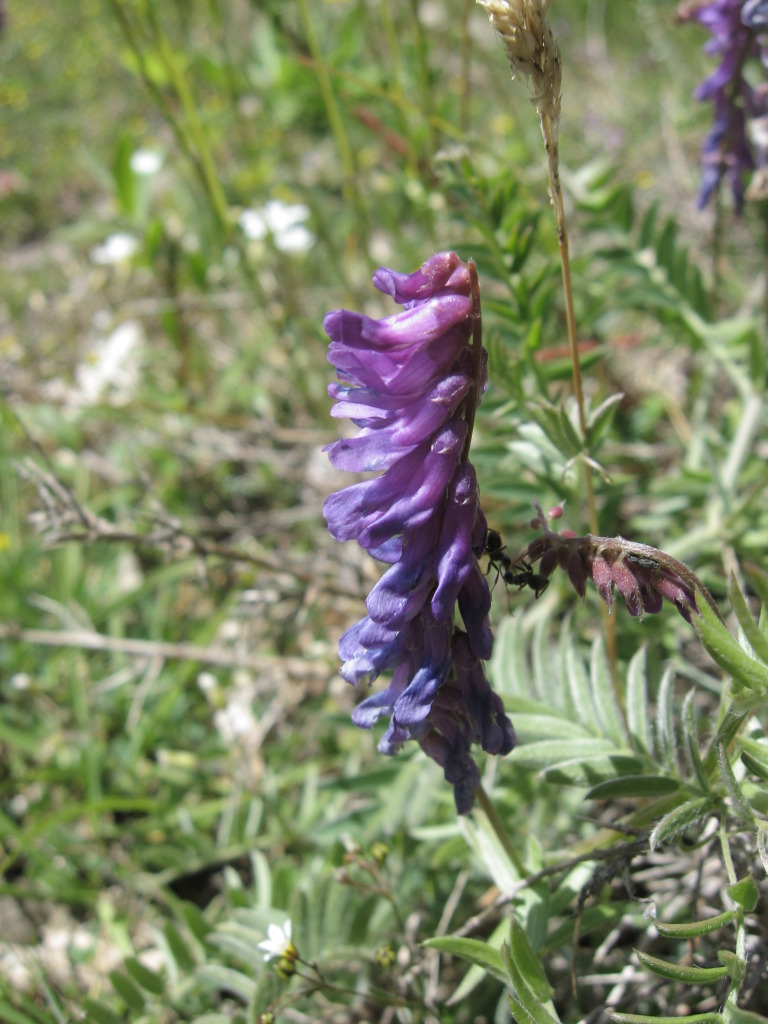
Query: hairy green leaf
<point x="533" y="1003"/>
<point x="143" y="976"/>
<point x="633" y="786"/>
<point x="638" y="711"/>
<point x="644" y="1018"/>
<point x="681" y="972"/>
<point x="13" y="1015"/>
<point x="476" y="974"/>
<point x="128" y="991"/>
<point x="665" y="245"/>
<point x="734" y="964"/>
<point x="603" y="695"/>
<point x="100" y="1013"/>
<point x="754" y="754"/>
<point x="578" y="682"/>
<point x="746" y="671"/>
<point x="557" y="427"/>
<point x="529" y="1013"/>
<point x="532" y="727"/>
<point x="676" y="821"/>
<point x="648" y="226"/>
<point x="600" y="419"/>
<point x="666" y="746"/>
<point x="732" y="785"/>
<point x="745" y="892"/>
<point x="690" y="929"/>
<point x="759" y="578"/>
<point x="178" y="947"/>
<point x="195" y="921"/>
<point x="225" y="979"/>
<point x="753" y="633"/>
<point x="474" y="951"/>
<point x="590" y="771"/>
<point x="527" y="962"/>
<point x="691" y="741"/>
<point x="545" y="753"/>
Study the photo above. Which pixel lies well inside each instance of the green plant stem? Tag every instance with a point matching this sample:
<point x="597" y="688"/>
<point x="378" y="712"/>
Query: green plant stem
<point x="494" y="819"/>
<point x="396" y="87"/>
<point x="189" y="134"/>
<point x="335" y="120"/>
<point x="730" y="724"/>
<point x="726" y="852"/>
<point x="207" y="165"/>
<point x="741" y="937"/>
<point x="424" y="80"/>
<point x="549" y="131"/>
<point x="466" y="53"/>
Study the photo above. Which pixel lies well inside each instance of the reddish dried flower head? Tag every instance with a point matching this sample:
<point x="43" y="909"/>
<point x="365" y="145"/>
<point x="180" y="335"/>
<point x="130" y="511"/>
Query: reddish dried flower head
<point x="644" y="576"/>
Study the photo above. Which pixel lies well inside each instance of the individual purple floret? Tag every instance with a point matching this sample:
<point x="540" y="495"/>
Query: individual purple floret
<point x="754" y="14"/>
<point x="411" y="383"/>
<point x="731" y="152"/>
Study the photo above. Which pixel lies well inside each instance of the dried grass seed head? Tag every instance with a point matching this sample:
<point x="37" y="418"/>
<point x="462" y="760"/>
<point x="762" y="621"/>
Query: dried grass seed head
<point x="531" y="48"/>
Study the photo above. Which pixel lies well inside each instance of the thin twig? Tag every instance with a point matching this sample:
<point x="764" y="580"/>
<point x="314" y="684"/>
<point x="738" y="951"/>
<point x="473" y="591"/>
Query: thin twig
<point x="625" y="850"/>
<point x="296" y="668"/>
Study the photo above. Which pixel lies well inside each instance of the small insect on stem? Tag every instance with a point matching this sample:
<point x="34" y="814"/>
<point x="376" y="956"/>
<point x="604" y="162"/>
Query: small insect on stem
<point x="515" y="574"/>
<point x="498" y="559"/>
<point x="642" y="560"/>
<point x="522" y="575"/>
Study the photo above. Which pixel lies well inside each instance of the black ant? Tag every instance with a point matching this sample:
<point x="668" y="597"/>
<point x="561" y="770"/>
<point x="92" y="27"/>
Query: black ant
<point x="515" y="574"/>
<point x="526" y="578"/>
<point x="495" y="551"/>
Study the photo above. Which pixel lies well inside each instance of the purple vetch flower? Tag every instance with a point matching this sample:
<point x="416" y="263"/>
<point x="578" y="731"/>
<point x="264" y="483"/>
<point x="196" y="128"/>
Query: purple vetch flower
<point x="754" y="13"/>
<point x="730" y="152"/>
<point x="411" y="383"/>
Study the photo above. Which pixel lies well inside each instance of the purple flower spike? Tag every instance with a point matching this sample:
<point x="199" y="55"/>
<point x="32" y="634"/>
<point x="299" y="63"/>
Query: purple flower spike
<point x="732" y="150"/>
<point x="411" y="383"/>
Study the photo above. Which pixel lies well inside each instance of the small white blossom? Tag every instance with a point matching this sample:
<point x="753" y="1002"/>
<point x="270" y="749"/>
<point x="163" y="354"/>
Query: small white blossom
<point x="112" y="366"/>
<point x="277" y="942"/>
<point x="115" y="249"/>
<point x="146" y="161"/>
<point x="284" y="221"/>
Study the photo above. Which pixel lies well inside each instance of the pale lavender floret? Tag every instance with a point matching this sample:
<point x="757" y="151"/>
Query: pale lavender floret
<point x="377" y="446"/>
<point x="474" y="605"/>
<point x="727" y="154"/>
<point x="367" y="651"/>
<point x="428" y="486"/>
<point x="444" y="270"/>
<point x="403" y="589"/>
<point x="398" y="375"/>
<point x="466" y="711"/>
<point x="454" y="549"/>
<point x="414" y="704"/>
<point x="754" y="14"/>
<point x="405" y="382"/>
<point x="390" y="503"/>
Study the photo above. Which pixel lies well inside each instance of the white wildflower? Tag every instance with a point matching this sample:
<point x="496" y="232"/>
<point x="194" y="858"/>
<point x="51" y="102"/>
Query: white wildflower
<point x="278" y="941"/>
<point x="284" y="221"/>
<point x="115" y="249"/>
<point x="111" y="367"/>
<point x="146" y="161"/>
